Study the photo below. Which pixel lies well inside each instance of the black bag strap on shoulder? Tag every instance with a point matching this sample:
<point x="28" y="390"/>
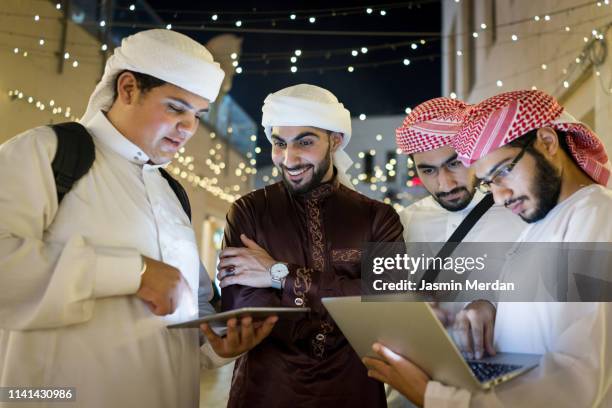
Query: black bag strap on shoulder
<point x="458" y="235"/>
<point x="180" y="192"/>
<point x="76" y="154"/>
<point x="74" y="157"/>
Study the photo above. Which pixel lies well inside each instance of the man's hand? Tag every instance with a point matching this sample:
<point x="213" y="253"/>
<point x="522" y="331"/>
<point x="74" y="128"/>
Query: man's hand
<point x="473" y="329"/>
<point x="398" y="372"/>
<point x="238" y="341"/>
<point x="249" y="266"/>
<point x="445" y="317"/>
<point x="161" y="287"/>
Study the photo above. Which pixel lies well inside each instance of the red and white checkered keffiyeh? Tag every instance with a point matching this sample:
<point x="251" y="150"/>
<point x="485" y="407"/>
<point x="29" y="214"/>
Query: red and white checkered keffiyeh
<point x="431" y="125"/>
<point x="499" y="120"/>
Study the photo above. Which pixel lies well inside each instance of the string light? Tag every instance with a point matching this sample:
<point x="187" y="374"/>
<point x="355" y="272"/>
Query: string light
<point x="104" y="47"/>
<point x="38" y="104"/>
<point x="294" y="69"/>
<point x="514" y="37"/>
<point x="362" y="116"/>
<point x="354" y="53"/>
<point x="238" y="23"/>
<point x="406" y="61"/>
<point x="312" y="20"/>
<point x="214" y="17"/>
<point x="350" y="69"/>
<point x="132" y="7"/>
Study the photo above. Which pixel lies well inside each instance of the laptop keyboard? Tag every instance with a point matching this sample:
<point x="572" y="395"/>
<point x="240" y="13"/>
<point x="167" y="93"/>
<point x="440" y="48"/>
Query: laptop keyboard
<point x="488" y="371"/>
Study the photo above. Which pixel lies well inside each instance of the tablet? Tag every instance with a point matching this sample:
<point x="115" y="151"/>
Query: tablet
<point x="257" y="313"/>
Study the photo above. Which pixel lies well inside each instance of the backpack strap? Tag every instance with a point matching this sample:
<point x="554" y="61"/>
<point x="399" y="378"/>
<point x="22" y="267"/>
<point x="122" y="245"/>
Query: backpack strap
<point x="74" y="156"/>
<point x="180" y="192"/>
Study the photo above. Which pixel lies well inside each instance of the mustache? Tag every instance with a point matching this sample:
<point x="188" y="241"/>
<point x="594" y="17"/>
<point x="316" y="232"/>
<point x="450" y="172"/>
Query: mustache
<point x="303" y="166"/>
<point x="453" y="191"/>
<point x="511" y="201"/>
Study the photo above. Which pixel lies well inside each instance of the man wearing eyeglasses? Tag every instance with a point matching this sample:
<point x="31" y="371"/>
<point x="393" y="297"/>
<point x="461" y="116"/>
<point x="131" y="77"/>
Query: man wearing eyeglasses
<point x="552" y="171"/>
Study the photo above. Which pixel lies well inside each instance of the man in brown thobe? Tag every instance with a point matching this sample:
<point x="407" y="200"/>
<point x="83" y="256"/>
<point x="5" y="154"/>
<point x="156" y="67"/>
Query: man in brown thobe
<point x="294" y="242"/>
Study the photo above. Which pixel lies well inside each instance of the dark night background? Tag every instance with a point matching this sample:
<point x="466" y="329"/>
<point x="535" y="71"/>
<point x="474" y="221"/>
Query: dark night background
<point x="375" y="90"/>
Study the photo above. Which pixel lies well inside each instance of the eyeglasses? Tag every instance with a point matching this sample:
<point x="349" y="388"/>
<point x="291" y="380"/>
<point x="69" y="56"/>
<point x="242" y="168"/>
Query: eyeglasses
<point x="501" y="173"/>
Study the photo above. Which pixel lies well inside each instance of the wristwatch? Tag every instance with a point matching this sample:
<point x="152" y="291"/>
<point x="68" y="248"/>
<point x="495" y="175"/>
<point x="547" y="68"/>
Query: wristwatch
<point x="278" y="272"/>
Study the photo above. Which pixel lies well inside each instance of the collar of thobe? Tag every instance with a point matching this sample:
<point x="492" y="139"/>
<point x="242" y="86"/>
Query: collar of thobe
<point x="322" y="191"/>
<point x="105" y="132"/>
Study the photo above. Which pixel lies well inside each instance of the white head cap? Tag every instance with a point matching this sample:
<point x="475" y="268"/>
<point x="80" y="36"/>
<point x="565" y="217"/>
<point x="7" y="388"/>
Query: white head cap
<point x="163" y="54"/>
<point x="309" y="105"/>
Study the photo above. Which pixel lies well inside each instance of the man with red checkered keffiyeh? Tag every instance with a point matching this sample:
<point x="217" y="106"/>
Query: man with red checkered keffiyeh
<point x="426" y="135"/>
<point x="552" y="171"/>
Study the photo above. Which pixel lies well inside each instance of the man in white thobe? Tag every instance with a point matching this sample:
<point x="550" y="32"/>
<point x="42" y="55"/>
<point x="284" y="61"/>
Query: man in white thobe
<point x="89" y="286"/>
<point x="426" y="134"/>
<point x="552" y="171"/>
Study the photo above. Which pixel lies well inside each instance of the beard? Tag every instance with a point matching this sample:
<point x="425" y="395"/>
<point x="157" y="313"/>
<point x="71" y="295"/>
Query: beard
<point x="546" y="188"/>
<point x="456" y="205"/>
<point x="315" y="181"/>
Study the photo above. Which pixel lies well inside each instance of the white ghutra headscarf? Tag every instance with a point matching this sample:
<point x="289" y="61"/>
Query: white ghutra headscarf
<point x="163" y="54"/>
<point x="309" y="105"/>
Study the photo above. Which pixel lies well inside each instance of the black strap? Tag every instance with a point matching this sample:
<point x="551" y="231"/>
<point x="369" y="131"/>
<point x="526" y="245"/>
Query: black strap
<point x="180" y="192"/>
<point x="74" y="157"/>
<point x="76" y="154"/>
<point x="455" y="239"/>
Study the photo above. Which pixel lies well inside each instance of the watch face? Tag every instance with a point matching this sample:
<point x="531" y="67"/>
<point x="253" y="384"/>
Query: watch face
<point x="279" y="271"/>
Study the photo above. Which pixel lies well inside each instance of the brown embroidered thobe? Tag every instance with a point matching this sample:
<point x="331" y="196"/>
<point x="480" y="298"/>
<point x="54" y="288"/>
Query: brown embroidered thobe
<point x="306" y="362"/>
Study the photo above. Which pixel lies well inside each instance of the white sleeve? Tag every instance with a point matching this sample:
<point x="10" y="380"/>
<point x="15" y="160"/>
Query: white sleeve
<point x="209" y="359"/>
<point x="576" y="374"/>
<point x="44" y="284"/>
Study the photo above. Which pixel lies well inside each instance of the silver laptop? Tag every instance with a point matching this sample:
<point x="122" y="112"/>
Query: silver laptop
<point x="413" y="330"/>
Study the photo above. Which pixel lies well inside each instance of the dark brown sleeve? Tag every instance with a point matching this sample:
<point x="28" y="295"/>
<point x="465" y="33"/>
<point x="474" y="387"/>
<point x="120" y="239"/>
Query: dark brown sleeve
<point x="241" y="220"/>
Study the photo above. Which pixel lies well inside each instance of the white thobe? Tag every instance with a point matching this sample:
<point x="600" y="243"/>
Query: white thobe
<point x="574" y="338"/>
<point x="69" y="316"/>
